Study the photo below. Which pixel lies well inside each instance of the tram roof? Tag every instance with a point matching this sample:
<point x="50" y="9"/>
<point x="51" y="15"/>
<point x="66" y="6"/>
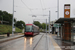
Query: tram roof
<point x="29" y="24"/>
<point x="32" y="24"/>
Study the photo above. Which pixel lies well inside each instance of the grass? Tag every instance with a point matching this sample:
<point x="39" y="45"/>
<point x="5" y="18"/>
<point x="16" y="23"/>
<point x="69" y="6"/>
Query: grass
<point x="8" y="29"/>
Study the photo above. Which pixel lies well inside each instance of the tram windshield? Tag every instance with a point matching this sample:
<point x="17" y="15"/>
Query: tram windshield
<point x="28" y="28"/>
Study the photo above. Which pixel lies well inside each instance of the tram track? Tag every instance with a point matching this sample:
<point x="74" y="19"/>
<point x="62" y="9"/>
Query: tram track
<point x="37" y="42"/>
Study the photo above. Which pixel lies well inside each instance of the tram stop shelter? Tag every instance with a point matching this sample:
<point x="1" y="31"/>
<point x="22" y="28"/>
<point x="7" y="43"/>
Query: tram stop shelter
<point x="67" y="29"/>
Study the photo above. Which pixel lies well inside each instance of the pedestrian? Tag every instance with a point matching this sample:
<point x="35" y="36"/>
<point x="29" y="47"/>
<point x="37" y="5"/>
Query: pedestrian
<point x="56" y="30"/>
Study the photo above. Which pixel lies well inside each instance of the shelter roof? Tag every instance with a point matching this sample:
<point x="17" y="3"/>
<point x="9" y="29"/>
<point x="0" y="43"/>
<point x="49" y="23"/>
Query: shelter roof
<point x="61" y="20"/>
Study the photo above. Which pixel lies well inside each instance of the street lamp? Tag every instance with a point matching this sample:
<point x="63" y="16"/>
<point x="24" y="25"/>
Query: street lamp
<point x="33" y="16"/>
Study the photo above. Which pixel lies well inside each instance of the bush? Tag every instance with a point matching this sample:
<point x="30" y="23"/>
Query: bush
<point x="4" y="29"/>
<point x="1" y="33"/>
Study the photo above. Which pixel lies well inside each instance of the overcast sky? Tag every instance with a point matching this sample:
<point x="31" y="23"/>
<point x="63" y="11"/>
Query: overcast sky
<point x="26" y="8"/>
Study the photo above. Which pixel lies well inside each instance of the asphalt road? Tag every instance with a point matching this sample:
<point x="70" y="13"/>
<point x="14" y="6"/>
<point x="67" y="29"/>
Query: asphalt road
<point x="26" y="43"/>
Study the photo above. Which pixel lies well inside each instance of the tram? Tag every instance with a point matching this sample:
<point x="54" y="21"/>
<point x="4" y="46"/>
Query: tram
<point x="31" y="29"/>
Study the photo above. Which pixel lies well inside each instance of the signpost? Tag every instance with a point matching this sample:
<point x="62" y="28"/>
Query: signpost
<point x="13" y="29"/>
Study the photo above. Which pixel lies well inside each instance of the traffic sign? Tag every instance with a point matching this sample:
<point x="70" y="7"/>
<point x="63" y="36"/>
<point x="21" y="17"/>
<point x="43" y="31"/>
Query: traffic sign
<point x="13" y="28"/>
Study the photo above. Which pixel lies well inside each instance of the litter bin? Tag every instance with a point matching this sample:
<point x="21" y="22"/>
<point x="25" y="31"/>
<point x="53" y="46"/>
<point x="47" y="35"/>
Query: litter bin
<point x="56" y="32"/>
<point x="8" y="34"/>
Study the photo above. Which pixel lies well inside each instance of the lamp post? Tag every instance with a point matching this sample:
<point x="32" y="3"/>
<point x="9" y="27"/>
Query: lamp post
<point x="49" y="21"/>
<point x="13" y="19"/>
<point x="46" y="25"/>
<point x="58" y="15"/>
<point x="57" y="9"/>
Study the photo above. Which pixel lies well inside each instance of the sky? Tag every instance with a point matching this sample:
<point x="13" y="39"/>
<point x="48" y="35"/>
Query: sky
<point x="26" y="8"/>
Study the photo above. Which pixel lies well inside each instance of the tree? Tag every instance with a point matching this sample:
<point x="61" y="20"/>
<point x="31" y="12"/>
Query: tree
<point x="43" y="26"/>
<point x="6" y="17"/>
<point x="37" y="23"/>
<point x="47" y="26"/>
<point x="20" y="24"/>
<point x="1" y="13"/>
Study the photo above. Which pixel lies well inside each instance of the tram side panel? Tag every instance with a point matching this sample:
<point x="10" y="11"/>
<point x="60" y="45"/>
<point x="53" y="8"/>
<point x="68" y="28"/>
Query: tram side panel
<point x="35" y="30"/>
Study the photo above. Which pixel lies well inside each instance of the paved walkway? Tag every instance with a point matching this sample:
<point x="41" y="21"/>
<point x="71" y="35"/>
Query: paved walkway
<point x="56" y="46"/>
<point x="4" y="37"/>
<point x="52" y="45"/>
<point x="62" y="45"/>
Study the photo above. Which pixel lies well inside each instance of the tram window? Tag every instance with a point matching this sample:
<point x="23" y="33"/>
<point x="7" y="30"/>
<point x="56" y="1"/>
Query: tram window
<point x="28" y="28"/>
<point x="35" y="29"/>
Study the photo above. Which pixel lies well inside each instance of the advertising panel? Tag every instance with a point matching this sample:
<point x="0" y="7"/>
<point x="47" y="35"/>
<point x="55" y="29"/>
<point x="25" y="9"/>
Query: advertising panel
<point x="67" y="11"/>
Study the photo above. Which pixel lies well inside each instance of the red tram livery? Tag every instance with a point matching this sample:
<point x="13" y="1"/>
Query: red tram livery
<point x="31" y="29"/>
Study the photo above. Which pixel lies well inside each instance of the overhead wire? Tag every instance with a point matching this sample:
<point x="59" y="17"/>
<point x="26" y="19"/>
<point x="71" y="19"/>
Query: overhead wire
<point x="36" y="8"/>
<point x="26" y="6"/>
<point x="41" y="6"/>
